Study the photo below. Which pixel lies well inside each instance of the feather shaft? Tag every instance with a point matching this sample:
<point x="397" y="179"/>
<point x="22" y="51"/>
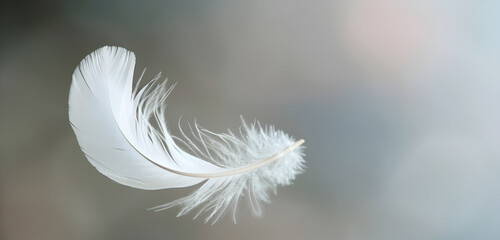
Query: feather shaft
<point x="236" y="171"/>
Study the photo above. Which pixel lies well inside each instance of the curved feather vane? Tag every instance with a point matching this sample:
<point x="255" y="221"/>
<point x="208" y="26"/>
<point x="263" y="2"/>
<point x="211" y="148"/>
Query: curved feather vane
<point x="123" y="133"/>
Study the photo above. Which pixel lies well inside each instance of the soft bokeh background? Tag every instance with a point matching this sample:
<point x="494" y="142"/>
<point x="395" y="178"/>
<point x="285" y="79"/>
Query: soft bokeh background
<point x="398" y="102"/>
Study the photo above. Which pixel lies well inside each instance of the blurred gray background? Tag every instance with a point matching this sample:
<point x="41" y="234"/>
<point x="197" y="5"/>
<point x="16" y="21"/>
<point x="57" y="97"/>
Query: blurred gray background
<point x="398" y="102"/>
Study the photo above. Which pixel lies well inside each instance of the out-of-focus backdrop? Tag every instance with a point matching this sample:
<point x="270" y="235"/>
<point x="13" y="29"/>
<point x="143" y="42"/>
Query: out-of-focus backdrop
<point x="399" y="103"/>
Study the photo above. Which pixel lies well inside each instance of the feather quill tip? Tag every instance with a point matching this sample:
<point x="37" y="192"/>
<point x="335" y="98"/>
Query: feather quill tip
<point x="261" y="158"/>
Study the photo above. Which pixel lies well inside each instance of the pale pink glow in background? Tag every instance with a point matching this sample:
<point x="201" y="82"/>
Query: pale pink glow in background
<point x="385" y="35"/>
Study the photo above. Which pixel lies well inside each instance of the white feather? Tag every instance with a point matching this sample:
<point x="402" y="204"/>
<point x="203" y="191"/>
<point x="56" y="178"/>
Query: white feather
<point x="115" y="127"/>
